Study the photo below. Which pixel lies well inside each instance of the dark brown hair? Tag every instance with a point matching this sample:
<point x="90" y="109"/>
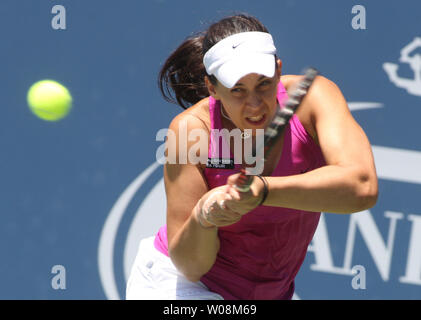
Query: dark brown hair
<point x="181" y="79"/>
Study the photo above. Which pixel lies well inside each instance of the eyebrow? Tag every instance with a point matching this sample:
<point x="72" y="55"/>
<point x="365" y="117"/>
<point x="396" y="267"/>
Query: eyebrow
<point x="260" y="78"/>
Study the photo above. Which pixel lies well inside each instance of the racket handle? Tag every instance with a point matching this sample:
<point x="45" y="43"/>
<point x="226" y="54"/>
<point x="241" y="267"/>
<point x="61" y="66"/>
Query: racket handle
<point x="244" y="181"/>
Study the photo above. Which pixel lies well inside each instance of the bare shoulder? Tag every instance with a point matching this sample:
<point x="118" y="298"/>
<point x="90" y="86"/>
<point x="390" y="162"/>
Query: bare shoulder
<point x="289" y="80"/>
<point x="325" y="97"/>
<point x="321" y="84"/>
<point x="197" y="116"/>
<point x="303" y="113"/>
<point x="323" y="93"/>
<point x="188" y="136"/>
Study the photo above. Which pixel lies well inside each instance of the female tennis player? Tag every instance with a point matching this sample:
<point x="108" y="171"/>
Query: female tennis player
<point x="219" y="242"/>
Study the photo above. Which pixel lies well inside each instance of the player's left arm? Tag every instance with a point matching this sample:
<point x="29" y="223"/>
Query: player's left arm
<point x="348" y="182"/>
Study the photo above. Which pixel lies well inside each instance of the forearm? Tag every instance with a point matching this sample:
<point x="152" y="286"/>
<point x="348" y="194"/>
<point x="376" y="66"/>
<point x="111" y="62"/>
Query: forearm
<point x="194" y="248"/>
<point x="331" y="188"/>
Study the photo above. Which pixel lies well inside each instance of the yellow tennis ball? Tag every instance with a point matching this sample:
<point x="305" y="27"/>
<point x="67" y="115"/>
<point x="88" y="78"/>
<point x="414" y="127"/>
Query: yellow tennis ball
<point x="49" y="100"/>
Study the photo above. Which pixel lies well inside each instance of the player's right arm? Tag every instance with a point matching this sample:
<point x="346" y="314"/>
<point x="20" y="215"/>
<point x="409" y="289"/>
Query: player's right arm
<point x="191" y="247"/>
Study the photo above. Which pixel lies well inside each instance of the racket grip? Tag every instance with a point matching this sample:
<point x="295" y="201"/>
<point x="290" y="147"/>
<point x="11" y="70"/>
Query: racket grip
<point x="244" y="181"/>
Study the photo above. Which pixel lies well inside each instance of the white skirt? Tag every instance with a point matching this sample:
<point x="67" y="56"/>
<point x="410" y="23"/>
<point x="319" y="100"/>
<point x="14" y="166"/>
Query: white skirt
<point x="154" y="277"/>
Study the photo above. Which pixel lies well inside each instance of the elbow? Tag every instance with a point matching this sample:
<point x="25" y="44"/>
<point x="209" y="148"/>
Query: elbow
<point x="189" y="268"/>
<point x="195" y="270"/>
<point x="192" y="277"/>
<point x="367" y="201"/>
<point x="367" y="192"/>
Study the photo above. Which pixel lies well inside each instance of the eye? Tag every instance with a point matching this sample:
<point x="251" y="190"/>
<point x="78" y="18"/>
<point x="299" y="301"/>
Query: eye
<point x="236" y="90"/>
<point x="264" y="83"/>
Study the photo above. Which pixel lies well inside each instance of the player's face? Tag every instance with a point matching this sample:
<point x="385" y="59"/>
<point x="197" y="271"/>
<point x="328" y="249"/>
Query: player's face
<point x="251" y="103"/>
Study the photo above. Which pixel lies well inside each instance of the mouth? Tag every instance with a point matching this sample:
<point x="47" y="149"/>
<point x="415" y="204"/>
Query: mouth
<point x="257" y="120"/>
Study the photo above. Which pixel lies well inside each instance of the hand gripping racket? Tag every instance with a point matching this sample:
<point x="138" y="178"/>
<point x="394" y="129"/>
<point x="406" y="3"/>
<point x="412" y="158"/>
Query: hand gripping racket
<point x="278" y="124"/>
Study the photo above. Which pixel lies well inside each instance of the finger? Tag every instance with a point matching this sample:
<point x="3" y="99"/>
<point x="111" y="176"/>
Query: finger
<point x="224" y="197"/>
<point x="234" y="207"/>
<point x="238" y="180"/>
<point x="220" y="215"/>
<point x="235" y="194"/>
<point x="232" y="179"/>
<point x="214" y="213"/>
<point x="222" y="204"/>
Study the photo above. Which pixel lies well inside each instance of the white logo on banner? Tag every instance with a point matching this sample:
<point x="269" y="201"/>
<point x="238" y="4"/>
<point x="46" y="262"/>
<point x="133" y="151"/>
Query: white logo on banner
<point x="150" y="216"/>
<point x="412" y="86"/>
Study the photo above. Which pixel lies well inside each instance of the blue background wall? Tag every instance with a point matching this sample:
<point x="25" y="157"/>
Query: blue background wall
<point x="61" y="182"/>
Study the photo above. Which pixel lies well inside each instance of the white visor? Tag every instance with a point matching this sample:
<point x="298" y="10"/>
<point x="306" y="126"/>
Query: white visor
<point x="240" y="54"/>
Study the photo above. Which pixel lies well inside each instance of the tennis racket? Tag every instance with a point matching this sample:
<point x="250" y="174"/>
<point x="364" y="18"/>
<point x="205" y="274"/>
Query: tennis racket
<point x="278" y="124"/>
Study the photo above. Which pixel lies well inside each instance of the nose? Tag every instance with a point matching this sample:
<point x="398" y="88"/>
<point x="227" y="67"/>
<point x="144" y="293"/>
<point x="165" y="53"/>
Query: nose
<point x="254" y="100"/>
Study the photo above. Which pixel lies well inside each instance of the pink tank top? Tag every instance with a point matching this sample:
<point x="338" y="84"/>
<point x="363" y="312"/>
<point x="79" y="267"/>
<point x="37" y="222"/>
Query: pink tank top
<point x="261" y="254"/>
